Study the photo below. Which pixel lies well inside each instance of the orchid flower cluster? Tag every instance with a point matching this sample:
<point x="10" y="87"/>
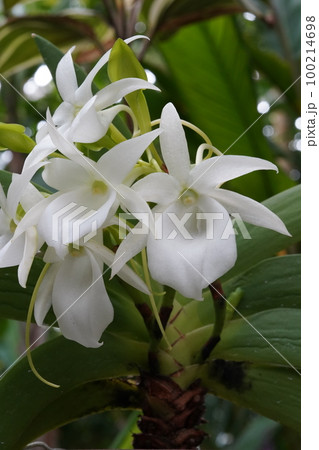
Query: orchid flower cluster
<point x="179" y="209"/>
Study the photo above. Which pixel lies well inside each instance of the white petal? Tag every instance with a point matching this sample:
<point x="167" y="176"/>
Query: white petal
<point x="31" y="218"/>
<point x="219" y="169"/>
<point x="66" y="78"/>
<point x="51" y="256"/>
<point x="44" y="295"/>
<point x="39" y="152"/>
<point x="30" y="197"/>
<point x="18" y="186"/>
<point x="131" y="246"/>
<point x="174" y="145"/>
<point x="86" y="126"/>
<point x="11" y="253"/>
<point x="190" y="264"/>
<point x="80" y="301"/>
<point x="3" y="200"/>
<point x="115" y="91"/>
<point x="31" y="246"/>
<point x="136" y="205"/>
<point x="249" y="210"/>
<point x="117" y="162"/>
<point x="62" y="173"/>
<point x="64" y="114"/>
<point x="158" y="188"/>
<point x="126" y="274"/>
<point x="84" y="92"/>
<point x="74" y="214"/>
<point x="66" y="147"/>
<point x="106" y="117"/>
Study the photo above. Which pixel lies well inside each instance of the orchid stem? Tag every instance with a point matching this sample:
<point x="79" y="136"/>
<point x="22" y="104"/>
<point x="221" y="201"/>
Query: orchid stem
<point x="27" y="329"/>
<point x="151" y="296"/>
<point x="220" y="314"/>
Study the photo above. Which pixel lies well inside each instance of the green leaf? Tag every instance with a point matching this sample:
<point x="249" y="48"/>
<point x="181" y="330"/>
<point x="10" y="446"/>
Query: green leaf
<point x="123" y="63"/>
<point x="169" y="15"/>
<point x="270" y="337"/>
<point x="273" y="392"/>
<point x="272" y="283"/>
<point x="265" y="243"/>
<point x="62" y="30"/>
<point x="255" y="434"/>
<point x="12" y="137"/>
<point x="29" y="407"/>
<point x="223" y="101"/>
<point x="51" y="56"/>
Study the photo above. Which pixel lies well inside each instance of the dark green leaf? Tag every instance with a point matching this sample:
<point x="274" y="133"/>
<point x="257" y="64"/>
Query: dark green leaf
<point x="265" y="243"/>
<point x="221" y="98"/>
<point x="62" y="31"/>
<point x="271" y="391"/>
<point x="51" y="56"/>
<point x="271" y="337"/>
<point x="255" y="434"/>
<point x="167" y="16"/>
<point x="272" y="283"/>
<point x="29" y="407"/>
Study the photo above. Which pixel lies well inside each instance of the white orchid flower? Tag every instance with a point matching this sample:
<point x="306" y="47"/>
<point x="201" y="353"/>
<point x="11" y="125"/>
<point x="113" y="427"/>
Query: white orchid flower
<point x="84" y="117"/>
<point x="76" y="290"/>
<point x="185" y="258"/>
<point x="96" y="187"/>
<point x="18" y="249"/>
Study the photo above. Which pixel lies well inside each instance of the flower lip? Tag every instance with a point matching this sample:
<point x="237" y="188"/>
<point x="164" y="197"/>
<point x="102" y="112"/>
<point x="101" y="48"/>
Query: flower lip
<point x="99" y="187"/>
<point x="189" y="197"/>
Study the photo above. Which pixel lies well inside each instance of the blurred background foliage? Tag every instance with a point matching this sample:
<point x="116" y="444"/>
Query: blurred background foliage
<point x="231" y="67"/>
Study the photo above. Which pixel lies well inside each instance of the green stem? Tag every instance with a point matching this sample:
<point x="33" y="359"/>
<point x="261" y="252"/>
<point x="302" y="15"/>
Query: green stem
<point x="152" y="300"/>
<point x="27" y="329"/>
<point x="220" y="314"/>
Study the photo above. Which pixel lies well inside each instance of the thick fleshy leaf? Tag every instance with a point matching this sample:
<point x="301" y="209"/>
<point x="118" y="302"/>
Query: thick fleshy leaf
<point x="80" y="301"/>
<point x="174" y="145"/>
<point x="276" y="334"/>
<point x="280" y="281"/>
<point x="223" y="104"/>
<point x="117" y="162"/>
<point x="249" y="210"/>
<point x="75" y="368"/>
<point x="266" y="243"/>
<point x="271" y="391"/>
